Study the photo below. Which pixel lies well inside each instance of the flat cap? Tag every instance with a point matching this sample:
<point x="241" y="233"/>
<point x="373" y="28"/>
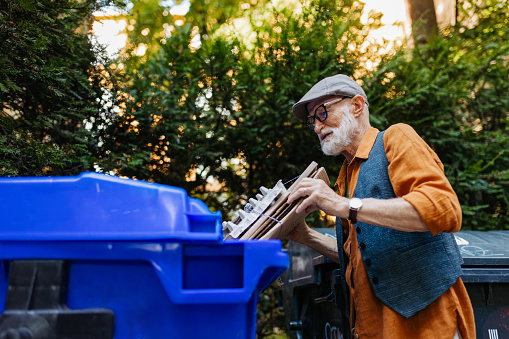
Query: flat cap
<point x="337" y="85"/>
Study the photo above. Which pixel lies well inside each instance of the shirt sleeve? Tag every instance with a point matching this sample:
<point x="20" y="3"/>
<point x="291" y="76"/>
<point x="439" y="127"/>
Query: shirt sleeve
<point x="417" y="175"/>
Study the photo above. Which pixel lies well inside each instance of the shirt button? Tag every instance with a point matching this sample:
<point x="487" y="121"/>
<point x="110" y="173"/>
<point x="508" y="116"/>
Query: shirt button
<point x="362" y="245"/>
<point x="368" y="262"/>
<point x="358" y="229"/>
<point x="375" y="280"/>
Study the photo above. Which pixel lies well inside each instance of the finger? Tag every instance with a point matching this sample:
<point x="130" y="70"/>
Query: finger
<point x="297" y="193"/>
<point x="305" y="188"/>
<point x="305" y="182"/>
<point x="307" y="205"/>
<point x="310" y="209"/>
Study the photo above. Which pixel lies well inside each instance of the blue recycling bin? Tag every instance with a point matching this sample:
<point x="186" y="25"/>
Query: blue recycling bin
<point x="104" y="257"/>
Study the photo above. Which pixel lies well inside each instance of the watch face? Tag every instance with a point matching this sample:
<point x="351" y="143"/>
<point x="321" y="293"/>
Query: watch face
<point x="355" y="203"/>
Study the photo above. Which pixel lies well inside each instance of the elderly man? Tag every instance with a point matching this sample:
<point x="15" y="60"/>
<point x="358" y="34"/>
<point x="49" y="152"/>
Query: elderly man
<point x="395" y="211"/>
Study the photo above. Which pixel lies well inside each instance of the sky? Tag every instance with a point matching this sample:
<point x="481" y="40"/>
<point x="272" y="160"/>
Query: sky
<point x="108" y="32"/>
<point x="394" y="11"/>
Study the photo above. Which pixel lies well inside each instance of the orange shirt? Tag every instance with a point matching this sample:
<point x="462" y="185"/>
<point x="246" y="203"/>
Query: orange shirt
<point x="417" y="175"/>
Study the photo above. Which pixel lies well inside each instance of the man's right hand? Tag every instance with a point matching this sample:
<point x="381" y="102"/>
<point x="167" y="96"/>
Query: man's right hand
<point x="299" y="233"/>
<point x="321" y="243"/>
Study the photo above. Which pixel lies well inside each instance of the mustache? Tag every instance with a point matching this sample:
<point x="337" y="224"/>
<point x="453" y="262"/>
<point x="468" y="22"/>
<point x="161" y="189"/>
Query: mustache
<point x="324" y="132"/>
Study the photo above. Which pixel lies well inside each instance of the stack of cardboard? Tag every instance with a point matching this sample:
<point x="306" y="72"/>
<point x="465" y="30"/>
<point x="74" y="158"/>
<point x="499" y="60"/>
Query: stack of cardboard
<point x="269" y="216"/>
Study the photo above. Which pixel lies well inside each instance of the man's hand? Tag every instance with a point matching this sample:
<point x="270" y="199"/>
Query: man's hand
<point x="321" y="243"/>
<point x="299" y="233"/>
<point x="318" y="195"/>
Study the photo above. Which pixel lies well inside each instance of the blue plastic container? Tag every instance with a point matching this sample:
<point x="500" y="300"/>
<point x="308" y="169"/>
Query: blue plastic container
<point x="147" y="252"/>
<point x="98" y="206"/>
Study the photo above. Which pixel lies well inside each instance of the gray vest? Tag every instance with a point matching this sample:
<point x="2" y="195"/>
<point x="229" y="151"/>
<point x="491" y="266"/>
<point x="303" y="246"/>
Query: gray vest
<point x="407" y="270"/>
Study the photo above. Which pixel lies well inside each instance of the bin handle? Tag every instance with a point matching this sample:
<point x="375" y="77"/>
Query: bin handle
<point x="331" y="297"/>
<point x="263" y="269"/>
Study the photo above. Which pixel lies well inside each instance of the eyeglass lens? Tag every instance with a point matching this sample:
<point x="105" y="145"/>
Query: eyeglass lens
<point x="321" y="113"/>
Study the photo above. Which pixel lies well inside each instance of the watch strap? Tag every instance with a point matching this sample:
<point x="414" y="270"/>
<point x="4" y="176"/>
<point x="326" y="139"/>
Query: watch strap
<point x="353" y="215"/>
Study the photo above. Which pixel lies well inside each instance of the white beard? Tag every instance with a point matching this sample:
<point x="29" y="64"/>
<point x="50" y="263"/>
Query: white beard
<point x="341" y="136"/>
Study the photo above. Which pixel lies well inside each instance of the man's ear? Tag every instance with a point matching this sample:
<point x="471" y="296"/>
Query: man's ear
<point x="358" y="103"/>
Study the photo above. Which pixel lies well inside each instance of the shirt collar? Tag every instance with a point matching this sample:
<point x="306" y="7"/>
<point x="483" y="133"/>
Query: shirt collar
<point x="367" y="142"/>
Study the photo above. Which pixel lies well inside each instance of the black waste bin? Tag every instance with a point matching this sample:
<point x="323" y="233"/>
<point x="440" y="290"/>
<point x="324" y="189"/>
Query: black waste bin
<point x="308" y="289"/>
<point x="486" y="277"/>
<point x="307" y="292"/>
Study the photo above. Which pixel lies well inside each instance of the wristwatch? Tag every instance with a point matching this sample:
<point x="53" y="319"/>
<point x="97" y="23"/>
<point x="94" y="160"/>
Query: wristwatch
<point x="355" y="205"/>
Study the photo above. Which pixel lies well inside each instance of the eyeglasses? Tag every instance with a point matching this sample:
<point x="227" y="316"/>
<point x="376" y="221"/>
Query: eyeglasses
<point x="320" y="114"/>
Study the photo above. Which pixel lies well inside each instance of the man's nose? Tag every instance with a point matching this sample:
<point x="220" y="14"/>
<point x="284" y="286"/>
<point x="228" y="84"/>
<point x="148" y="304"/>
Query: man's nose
<point x="318" y="126"/>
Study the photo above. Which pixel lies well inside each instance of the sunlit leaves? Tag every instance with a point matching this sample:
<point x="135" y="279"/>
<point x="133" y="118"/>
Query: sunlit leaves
<point x="453" y="91"/>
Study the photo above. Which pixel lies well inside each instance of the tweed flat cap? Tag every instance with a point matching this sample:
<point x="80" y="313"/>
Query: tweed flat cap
<point x="337" y="85"/>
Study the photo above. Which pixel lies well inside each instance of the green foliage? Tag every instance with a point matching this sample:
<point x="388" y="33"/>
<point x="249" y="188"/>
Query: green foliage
<point x="210" y="100"/>
<point x="208" y="106"/>
<point x="453" y="91"/>
<point x="51" y="85"/>
<point x="271" y="322"/>
<point x="222" y="110"/>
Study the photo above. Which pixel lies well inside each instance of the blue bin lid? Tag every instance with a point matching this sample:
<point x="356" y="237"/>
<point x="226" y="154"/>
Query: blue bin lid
<point x="94" y="206"/>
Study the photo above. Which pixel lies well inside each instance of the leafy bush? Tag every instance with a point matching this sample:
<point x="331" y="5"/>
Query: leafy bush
<point x="208" y="106"/>
<point x="453" y="91"/>
<point x="52" y="88"/>
<point x="223" y="111"/>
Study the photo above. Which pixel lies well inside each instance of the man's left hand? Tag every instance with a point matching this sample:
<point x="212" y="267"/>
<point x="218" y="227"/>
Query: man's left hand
<point x="318" y="195"/>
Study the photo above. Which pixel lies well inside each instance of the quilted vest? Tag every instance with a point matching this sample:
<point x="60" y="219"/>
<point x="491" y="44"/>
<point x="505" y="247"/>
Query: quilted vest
<point x="407" y="270"/>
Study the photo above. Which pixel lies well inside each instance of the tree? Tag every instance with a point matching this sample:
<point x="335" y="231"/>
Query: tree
<point x="453" y="91"/>
<point x="53" y="88"/>
<point x="207" y="106"/>
<point x="424" y="20"/>
<point x="219" y="107"/>
<point x="223" y="110"/>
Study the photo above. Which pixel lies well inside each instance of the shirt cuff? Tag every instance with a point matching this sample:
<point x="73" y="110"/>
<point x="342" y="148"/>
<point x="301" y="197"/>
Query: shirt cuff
<point x="439" y="212"/>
